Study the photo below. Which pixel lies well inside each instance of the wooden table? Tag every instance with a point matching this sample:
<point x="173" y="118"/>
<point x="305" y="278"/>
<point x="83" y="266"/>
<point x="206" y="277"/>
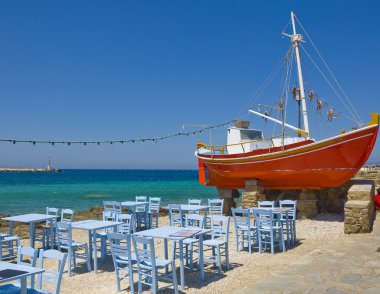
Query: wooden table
<point x="31" y="219"/>
<point x="166" y="232"/>
<point x="92" y="226"/>
<point x="22" y="273"/>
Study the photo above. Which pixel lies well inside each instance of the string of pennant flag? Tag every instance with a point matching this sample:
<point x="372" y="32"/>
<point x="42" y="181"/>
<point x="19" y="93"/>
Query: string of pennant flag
<point x="138" y="140"/>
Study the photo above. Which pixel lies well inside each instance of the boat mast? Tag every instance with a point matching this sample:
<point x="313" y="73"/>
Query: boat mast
<point x="296" y="39"/>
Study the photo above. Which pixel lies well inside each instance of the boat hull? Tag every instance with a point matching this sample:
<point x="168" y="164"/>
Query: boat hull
<point x="315" y="165"/>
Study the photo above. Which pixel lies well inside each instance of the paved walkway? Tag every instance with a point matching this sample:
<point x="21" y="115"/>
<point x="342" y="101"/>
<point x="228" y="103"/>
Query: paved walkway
<point x="348" y="264"/>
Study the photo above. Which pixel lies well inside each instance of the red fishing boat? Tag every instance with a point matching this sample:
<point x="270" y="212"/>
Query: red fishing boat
<point x="290" y="160"/>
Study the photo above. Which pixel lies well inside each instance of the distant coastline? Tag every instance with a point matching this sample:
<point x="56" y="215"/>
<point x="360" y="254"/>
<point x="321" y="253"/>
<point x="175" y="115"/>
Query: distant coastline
<point x="37" y="170"/>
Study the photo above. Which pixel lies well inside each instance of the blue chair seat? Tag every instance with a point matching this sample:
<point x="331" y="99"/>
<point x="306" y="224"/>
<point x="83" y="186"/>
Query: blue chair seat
<point x="124" y="259"/>
<point x="214" y="242"/>
<point x="160" y="263"/>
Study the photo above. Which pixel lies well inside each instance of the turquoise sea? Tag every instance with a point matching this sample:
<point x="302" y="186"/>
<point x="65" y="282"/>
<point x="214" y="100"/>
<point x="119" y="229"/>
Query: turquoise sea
<point x="81" y="189"/>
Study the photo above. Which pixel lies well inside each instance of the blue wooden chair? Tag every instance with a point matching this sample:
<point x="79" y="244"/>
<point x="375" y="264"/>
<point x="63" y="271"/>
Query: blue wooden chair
<point x="194" y="202"/>
<point x="148" y="265"/>
<point x="122" y="257"/>
<point x="108" y="211"/>
<point x="66" y="242"/>
<point x="141" y="213"/>
<point x="127" y="225"/>
<point x="175" y="215"/>
<point x="245" y="231"/>
<point x="154" y="211"/>
<point x="290" y="219"/>
<point x="67" y="215"/>
<point x="32" y="255"/>
<point x="215" y="206"/>
<point x="269" y="231"/>
<point x="220" y="226"/>
<point x="8" y="246"/>
<point x="49" y="276"/>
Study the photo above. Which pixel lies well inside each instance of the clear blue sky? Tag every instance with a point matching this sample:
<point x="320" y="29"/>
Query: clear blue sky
<point x="95" y="70"/>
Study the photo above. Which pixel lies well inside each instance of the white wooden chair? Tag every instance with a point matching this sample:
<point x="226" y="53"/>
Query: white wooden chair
<point x="148" y="265"/>
<point x="66" y="242"/>
<point x="122" y="257"/>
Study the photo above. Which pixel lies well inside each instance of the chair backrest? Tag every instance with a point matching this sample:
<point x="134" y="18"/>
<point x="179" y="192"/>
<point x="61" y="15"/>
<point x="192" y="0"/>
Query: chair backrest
<point x="216" y="206"/>
<point x="127" y="223"/>
<point x="289" y="204"/>
<point x="67" y="215"/>
<point x="265" y="204"/>
<point x="50" y="276"/>
<point x="120" y="245"/>
<point x="194" y="202"/>
<point x="32" y="254"/>
<point x="29" y="252"/>
<point x="242" y="218"/>
<point x="108" y="205"/>
<point x="52" y="211"/>
<point x="220" y="226"/>
<point x="141" y="198"/>
<point x="117" y="208"/>
<point x="144" y="250"/>
<point x="264" y="219"/>
<point x="64" y="234"/>
<point x="195" y="220"/>
<point x="175" y="215"/>
<point x="154" y="204"/>
<point x="141" y="208"/>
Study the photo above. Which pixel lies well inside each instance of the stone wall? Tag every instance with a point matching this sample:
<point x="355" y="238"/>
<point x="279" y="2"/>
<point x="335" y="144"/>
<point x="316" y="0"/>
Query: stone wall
<point x="252" y="194"/>
<point x="229" y="196"/>
<point x="359" y="208"/>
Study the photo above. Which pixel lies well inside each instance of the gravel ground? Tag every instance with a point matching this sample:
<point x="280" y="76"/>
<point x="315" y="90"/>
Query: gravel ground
<point x="245" y="268"/>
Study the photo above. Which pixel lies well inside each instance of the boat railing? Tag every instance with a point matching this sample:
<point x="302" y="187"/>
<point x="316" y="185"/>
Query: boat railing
<point x="223" y="149"/>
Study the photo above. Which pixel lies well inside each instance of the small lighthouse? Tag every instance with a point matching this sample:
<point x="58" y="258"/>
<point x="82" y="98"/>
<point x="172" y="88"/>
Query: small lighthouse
<point x="49" y="166"/>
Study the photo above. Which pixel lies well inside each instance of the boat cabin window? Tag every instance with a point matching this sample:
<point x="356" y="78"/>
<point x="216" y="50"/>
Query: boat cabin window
<point x="250" y="135"/>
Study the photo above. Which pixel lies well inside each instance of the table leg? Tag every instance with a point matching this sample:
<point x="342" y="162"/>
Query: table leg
<point x="166" y="254"/>
<point x="23" y="285"/>
<point x="10" y="228"/>
<point x="51" y="235"/>
<point x="200" y="257"/>
<point x="90" y="243"/>
<point x="287" y="229"/>
<point x="95" y="252"/>
<point x="31" y="233"/>
<point x="182" y="268"/>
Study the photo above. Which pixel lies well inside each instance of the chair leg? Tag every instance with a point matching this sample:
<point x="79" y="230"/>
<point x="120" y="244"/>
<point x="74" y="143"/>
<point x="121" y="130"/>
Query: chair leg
<point x="140" y="284"/>
<point x="175" y="283"/>
<point x="117" y="279"/>
<point x="271" y="243"/>
<point x="88" y="258"/>
<point x="69" y="262"/>
<point x="219" y="260"/>
<point x="227" y="258"/>
<point x="130" y="274"/>
<point x="154" y="281"/>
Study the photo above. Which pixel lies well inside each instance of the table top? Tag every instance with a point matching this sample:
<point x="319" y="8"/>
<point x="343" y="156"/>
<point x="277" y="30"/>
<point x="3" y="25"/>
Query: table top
<point x="29" y="270"/>
<point x="30" y="218"/>
<point x="93" y="224"/>
<point x="165" y="232"/>
<point x="274" y="209"/>
<point x="133" y="203"/>
<point x="187" y="207"/>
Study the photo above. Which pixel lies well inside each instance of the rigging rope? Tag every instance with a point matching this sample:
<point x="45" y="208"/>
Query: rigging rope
<point x="356" y="116"/>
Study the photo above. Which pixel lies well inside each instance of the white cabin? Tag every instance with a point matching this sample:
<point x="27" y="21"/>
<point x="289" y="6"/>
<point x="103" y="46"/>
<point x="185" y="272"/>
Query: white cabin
<point x="242" y="140"/>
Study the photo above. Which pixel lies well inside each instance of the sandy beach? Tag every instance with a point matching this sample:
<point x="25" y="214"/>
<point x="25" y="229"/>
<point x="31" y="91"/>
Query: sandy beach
<point x="245" y="268"/>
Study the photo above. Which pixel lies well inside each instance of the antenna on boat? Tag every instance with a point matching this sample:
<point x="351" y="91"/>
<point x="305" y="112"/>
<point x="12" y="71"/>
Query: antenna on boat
<point x="296" y="39"/>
